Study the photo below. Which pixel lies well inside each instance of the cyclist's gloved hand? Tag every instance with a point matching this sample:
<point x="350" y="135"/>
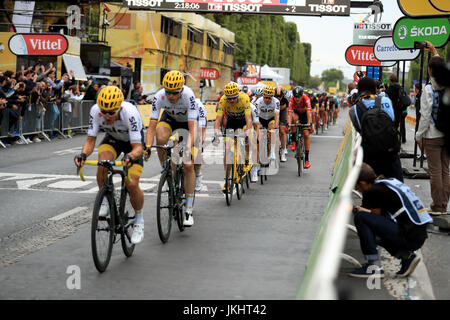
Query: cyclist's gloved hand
<point x="80" y="159"/>
<point x="147" y="152"/>
<point x="127" y="161"/>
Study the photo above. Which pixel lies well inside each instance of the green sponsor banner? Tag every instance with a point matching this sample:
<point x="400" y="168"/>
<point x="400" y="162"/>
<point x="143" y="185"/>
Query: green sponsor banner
<point x="407" y="31"/>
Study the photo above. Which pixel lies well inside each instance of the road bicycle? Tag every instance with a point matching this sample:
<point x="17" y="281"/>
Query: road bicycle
<point x="236" y="174"/>
<point x="171" y="197"/>
<point x="264" y="167"/>
<point x="105" y="231"/>
<point x="300" y="148"/>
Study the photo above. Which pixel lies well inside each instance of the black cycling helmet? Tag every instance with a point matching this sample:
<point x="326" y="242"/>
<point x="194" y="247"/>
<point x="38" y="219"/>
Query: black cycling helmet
<point x="297" y="91"/>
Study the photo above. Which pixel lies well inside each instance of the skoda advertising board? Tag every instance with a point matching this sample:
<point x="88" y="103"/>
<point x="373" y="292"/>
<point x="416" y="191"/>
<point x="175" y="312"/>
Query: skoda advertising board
<point x="362" y="55"/>
<point x="385" y="50"/>
<point x="407" y="31"/>
<point x="284" y="7"/>
<point x="417" y="8"/>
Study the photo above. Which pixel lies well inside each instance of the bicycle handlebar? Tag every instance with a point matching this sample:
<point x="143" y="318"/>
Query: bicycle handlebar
<point x="103" y="163"/>
<point x="300" y="125"/>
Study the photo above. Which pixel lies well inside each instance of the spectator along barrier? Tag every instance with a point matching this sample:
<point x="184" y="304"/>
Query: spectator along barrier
<point x="323" y="264"/>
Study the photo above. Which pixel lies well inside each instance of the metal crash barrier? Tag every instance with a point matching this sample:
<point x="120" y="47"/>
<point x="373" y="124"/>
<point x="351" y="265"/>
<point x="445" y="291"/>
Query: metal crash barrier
<point x="318" y="282"/>
<point x="46" y="120"/>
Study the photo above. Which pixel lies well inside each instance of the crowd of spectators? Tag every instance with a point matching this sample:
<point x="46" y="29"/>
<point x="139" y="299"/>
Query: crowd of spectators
<point x="36" y="89"/>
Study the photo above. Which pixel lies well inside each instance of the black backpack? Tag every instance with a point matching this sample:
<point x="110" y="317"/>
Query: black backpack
<point x="378" y="132"/>
<point x="404" y="101"/>
<point x="440" y="114"/>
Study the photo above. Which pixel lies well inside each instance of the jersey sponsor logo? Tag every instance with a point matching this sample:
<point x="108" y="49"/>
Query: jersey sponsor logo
<point x="91" y="122"/>
<point x="133" y="122"/>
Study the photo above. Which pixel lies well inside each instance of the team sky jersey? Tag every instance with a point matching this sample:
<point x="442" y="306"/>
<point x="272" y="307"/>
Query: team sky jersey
<point x="236" y="111"/>
<point x="127" y="128"/>
<point x="305" y="105"/>
<point x="184" y="110"/>
<point x="201" y="114"/>
<point x="255" y="117"/>
<point x="267" y="111"/>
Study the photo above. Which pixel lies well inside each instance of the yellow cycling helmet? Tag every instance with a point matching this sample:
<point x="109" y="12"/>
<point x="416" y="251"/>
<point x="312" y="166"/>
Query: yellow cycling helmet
<point x="269" y="91"/>
<point x="173" y="80"/>
<point x="231" y="89"/>
<point x="110" y="98"/>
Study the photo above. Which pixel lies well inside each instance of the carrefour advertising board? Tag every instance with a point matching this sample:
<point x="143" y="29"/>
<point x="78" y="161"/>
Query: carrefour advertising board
<point x="284" y="7"/>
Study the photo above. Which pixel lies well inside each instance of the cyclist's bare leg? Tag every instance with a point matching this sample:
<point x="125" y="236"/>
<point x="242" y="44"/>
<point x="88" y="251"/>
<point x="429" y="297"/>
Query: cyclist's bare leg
<point x="284" y="134"/>
<point x="294" y="120"/>
<point x="102" y="171"/>
<point x="162" y="136"/>
<point x="136" y="194"/>
<point x="189" y="174"/>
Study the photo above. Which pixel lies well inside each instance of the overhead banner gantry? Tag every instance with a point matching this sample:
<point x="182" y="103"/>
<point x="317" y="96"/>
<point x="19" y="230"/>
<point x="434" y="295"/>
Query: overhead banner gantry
<point x="283" y="7"/>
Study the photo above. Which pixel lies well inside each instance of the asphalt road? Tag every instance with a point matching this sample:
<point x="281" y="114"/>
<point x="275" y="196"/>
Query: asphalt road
<point x="255" y="249"/>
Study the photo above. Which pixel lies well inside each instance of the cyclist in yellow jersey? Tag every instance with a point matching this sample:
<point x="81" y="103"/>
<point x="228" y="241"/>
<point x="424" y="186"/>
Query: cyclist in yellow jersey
<point x="235" y="105"/>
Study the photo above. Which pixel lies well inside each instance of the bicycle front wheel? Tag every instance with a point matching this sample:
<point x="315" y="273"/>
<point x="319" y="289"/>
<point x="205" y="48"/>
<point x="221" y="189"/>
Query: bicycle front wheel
<point x="299" y="157"/>
<point x="179" y="198"/>
<point x="126" y="214"/>
<point x="102" y="231"/>
<point x="240" y="184"/>
<point x="164" y="207"/>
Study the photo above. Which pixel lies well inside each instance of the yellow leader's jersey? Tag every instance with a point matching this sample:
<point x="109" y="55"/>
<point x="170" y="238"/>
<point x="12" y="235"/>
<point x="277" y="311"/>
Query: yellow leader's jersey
<point x="236" y="111"/>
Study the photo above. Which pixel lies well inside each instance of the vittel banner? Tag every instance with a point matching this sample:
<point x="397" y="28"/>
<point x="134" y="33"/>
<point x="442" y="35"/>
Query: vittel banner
<point x="248" y="80"/>
<point x="358" y="55"/>
<point x="385" y="50"/>
<point x="209" y="73"/>
<point x="38" y="44"/>
<point x="407" y="31"/>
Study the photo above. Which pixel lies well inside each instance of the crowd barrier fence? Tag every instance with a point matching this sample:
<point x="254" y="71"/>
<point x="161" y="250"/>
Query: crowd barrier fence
<point x="318" y="282"/>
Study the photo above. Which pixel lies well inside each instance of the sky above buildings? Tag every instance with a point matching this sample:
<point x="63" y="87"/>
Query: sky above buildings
<point x="331" y="36"/>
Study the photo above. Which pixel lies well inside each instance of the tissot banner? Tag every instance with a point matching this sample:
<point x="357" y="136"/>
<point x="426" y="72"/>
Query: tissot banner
<point x="385" y="50"/>
<point x="284" y="7"/>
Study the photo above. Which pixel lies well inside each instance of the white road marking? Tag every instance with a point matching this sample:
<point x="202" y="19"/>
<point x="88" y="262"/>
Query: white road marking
<point x="69" y="184"/>
<point x="324" y="137"/>
<point x="26" y="184"/>
<point x="68" y="213"/>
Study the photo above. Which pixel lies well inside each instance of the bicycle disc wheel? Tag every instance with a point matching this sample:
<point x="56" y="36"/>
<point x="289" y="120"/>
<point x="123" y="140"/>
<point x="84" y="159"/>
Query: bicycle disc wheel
<point x="126" y="214"/>
<point x="179" y="198"/>
<point x="298" y="156"/>
<point x="164" y="208"/>
<point x="102" y="232"/>
<point x="229" y="184"/>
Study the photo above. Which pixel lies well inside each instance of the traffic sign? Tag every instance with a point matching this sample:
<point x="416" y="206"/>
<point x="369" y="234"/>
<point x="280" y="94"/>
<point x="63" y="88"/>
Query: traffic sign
<point x="414" y="8"/>
<point x="362" y="55"/>
<point x="407" y="31"/>
<point x="385" y="50"/>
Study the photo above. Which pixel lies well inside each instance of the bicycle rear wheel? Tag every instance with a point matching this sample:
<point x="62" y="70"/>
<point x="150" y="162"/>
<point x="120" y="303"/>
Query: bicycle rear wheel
<point x="102" y="231"/>
<point x="298" y="156"/>
<point x="179" y="198"/>
<point x="164" y="207"/>
<point x="126" y="214"/>
<point x="229" y="184"/>
<point x="240" y="184"/>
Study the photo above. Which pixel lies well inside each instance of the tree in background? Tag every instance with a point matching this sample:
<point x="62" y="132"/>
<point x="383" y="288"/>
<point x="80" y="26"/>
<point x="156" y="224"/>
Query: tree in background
<point x="268" y="39"/>
<point x="330" y="77"/>
<point x="314" y="82"/>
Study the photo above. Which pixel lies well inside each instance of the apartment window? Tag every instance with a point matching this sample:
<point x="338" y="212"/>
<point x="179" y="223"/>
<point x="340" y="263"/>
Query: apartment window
<point x="213" y="41"/>
<point x="171" y="27"/>
<point x="227" y="48"/>
<point x="195" y="35"/>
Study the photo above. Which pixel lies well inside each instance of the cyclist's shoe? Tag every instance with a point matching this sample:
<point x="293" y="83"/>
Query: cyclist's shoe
<point x="283" y="156"/>
<point x="138" y="234"/>
<point x="104" y="210"/>
<point x="307" y="165"/>
<point x="285" y="151"/>
<point x="272" y="156"/>
<point x="224" y="190"/>
<point x="199" y="183"/>
<point x="254" y="175"/>
<point x="189" y="219"/>
<point x="293" y="145"/>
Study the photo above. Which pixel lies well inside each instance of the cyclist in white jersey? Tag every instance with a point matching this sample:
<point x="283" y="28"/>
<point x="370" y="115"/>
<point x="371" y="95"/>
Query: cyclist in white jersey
<point x="269" y="113"/>
<point x="202" y="123"/>
<point x="124" y="133"/>
<point x="180" y="112"/>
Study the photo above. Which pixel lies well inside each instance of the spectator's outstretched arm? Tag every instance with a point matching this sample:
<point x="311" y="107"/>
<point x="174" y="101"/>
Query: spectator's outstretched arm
<point x="431" y="48"/>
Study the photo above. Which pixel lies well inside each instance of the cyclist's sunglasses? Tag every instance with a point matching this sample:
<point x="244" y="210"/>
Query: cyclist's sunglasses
<point x="232" y="98"/>
<point x="110" y="113"/>
<point x="173" y="93"/>
<point x="267" y="97"/>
